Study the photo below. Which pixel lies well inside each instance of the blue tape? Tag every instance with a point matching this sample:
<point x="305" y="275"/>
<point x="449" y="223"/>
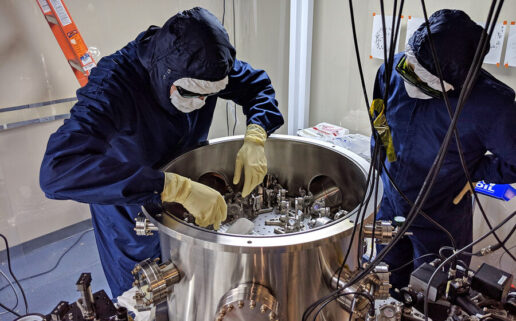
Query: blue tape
<point x="500" y="191"/>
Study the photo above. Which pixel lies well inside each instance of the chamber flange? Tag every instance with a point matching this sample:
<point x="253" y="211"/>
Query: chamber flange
<point x="248" y="301"/>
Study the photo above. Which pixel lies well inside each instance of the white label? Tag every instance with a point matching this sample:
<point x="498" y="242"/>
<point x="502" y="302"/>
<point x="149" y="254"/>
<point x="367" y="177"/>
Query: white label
<point x="89" y="66"/>
<point x="502" y="279"/>
<point x="61" y="12"/>
<point x="377" y="36"/>
<point x="44" y="6"/>
<point x="510" y="52"/>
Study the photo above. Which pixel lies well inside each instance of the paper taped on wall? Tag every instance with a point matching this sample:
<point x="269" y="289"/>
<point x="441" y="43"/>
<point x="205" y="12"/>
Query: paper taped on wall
<point x="377" y="36"/>
<point x="494" y="56"/>
<point x="510" y="53"/>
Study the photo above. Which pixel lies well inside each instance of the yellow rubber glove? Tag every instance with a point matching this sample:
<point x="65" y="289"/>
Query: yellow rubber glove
<point x="251" y="157"/>
<point x="203" y="202"/>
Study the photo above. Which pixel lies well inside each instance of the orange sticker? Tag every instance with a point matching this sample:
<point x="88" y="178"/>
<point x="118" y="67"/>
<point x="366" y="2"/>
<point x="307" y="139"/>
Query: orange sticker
<point x="506" y="65"/>
<point x="498" y="65"/>
<point x="409" y="17"/>
<point x="374" y="14"/>
<point x="401" y="17"/>
<point x="370" y="57"/>
<point x="505" y="22"/>
<point x="513" y="23"/>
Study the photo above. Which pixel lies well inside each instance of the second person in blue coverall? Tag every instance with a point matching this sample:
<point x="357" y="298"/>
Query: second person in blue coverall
<point x="418" y="123"/>
<point x="147" y="103"/>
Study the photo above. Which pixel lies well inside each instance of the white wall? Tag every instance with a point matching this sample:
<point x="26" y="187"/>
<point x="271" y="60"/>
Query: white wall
<point x="33" y="69"/>
<point x="336" y="94"/>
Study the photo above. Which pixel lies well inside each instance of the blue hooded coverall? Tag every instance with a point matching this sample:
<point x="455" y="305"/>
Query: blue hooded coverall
<point x="418" y="127"/>
<point x="124" y="128"/>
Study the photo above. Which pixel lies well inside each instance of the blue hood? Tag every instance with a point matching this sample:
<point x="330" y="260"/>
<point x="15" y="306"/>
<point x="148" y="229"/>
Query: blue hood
<point x="455" y="37"/>
<point x="192" y="44"/>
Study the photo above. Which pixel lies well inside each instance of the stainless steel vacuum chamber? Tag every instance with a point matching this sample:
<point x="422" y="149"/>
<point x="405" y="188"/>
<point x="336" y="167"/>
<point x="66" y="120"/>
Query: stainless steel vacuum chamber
<point x="262" y="277"/>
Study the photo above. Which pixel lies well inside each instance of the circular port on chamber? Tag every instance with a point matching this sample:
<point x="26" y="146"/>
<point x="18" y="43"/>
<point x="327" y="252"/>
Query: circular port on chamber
<point x="323" y="188"/>
<point x="216" y="181"/>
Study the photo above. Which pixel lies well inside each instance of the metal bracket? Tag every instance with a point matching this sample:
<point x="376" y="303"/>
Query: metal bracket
<point x="154" y="282"/>
<point x="143" y="226"/>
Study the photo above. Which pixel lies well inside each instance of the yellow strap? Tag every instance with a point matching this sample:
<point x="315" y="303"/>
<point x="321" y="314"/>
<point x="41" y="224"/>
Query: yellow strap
<point x="382" y="127"/>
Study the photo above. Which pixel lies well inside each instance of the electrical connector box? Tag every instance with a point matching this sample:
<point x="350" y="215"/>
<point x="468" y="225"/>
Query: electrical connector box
<point x="420" y="277"/>
<point x="492" y="282"/>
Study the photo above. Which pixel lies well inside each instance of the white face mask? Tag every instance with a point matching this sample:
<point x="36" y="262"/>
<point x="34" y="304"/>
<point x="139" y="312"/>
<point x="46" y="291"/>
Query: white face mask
<point x="414" y="92"/>
<point x="185" y="105"/>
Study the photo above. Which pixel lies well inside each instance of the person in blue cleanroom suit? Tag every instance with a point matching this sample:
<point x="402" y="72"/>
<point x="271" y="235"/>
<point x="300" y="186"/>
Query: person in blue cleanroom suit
<point x="147" y="103"/>
<point x="418" y="122"/>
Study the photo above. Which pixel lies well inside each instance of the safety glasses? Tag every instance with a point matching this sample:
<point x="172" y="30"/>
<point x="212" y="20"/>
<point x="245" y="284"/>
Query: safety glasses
<point x="188" y="94"/>
<point x="408" y="74"/>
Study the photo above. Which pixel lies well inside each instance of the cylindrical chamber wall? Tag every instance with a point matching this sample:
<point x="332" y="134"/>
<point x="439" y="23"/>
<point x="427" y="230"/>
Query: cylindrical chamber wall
<point x="295" y="267"/>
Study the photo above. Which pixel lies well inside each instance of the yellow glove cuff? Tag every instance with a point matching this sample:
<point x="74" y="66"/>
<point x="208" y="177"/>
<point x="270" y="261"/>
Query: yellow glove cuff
<point x="256" y="134"/>
<point x="176" y="188"/>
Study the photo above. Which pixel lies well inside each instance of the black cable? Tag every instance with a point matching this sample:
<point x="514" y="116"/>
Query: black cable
<point x="227" y="103"/>
<point x="425" y="301"/>
<point x="227" y="117"/>
<point x="235" y="45"/>
<point x="408" y="263"/>
<point x="375" y="212"/>
<point x="331" y="297"/>
<point x="465" y="266"/>
<point x="389" y="62"/>
<point x="9" y="310"/>
<point x="14" y="291"/>
<point x="235" y="119"/>
<point x="223" y="11"/>
<point x="12" y="274"/>
<point x="456" y="131"/>
<point x="366" y="99"/>
<point x="55" y="265"/>
<point x="312" y="307"/>
<point x="431" y="176"/>
<point x="492" y="248"/>
<point x="472" y="73"/>
<point x="430" y="179"/>
<point x="363" y="206"/>
<point x="368" y="179"/>
<point x="501" y="256"/>
<point x="421" y="212"/>
<point x="364" y="294"/>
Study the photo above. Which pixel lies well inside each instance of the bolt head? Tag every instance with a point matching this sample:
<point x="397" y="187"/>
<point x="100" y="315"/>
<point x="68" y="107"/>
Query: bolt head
<point x="252" y="304"/>
<point x="263" y="308"/>
<point x="240" y="304"/>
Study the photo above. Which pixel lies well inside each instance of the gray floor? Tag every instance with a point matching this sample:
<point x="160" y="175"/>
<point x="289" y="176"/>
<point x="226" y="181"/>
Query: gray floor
<point x="45" y="291"/>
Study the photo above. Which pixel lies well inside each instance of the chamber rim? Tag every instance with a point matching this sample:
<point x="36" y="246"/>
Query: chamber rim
<point x="334" y="232"/>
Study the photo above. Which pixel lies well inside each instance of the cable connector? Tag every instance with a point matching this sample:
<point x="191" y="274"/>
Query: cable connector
<point x="486" y="250"/>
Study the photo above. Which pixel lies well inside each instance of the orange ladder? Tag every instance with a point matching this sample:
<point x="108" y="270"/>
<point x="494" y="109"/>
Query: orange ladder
<point x="68" y="37"/>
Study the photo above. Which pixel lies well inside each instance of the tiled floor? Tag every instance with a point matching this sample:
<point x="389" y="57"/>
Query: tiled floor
<point x="45" y="291"/>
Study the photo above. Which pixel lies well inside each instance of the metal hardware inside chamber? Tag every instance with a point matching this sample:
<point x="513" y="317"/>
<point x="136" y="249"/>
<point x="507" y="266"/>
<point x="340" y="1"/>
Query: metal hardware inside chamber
<point x="271" y="208"/>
